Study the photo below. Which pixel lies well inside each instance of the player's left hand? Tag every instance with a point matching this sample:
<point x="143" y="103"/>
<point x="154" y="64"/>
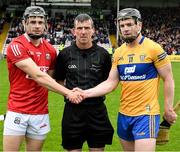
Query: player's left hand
<point x="170" y="116"/>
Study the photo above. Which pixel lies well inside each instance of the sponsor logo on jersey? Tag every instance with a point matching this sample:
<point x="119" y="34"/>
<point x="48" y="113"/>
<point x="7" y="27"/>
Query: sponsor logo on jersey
<point x="137" y="72"/>
<point x="133" y="78"/>
<point x="129" y="70"/>
<point x="38" y="53"/>
<point x="72" y="66"/>
<point x="42" y="68"/>
<point x="128" y="74"/>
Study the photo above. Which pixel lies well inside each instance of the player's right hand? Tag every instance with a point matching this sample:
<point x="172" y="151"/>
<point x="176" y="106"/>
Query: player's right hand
<point x="75" y="97"/>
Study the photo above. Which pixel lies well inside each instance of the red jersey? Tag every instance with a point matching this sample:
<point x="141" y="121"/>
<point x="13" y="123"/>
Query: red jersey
<point x="26" y="96"/>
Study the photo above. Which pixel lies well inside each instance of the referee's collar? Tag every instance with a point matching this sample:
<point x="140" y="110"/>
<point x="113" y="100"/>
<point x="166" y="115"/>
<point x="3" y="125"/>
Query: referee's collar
<point x="85" y="50"/>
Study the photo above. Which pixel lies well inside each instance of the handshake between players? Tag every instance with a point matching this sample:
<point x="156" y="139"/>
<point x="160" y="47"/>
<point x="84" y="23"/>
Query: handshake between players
<point x="78" y="95"/>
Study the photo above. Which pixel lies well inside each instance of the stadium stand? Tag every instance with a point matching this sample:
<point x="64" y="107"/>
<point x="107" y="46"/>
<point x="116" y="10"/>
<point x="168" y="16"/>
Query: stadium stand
<point x="162" y="26"/>
<point x="59" y="32"/>
<point x="159" y="24"/>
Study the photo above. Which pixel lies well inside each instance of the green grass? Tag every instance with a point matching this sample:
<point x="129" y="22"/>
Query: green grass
<point x="56" y="105"/>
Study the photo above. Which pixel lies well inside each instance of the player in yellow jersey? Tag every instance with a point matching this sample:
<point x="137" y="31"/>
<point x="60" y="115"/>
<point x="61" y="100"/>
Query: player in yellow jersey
<point x="138" y="65"/>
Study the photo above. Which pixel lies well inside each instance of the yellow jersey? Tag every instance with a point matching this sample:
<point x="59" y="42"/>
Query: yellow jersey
<point x="139" y="79"/>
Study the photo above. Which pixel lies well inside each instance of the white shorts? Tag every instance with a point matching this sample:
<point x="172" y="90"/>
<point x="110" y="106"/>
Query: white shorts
<point x="33" y="126"/>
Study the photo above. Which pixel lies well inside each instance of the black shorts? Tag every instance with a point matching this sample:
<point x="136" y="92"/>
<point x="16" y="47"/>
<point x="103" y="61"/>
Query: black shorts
<point x="86" y="123"/>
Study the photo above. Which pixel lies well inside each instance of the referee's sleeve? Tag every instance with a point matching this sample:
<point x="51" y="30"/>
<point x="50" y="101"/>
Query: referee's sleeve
<point x="107" y="65"/>
<point x="59" y="69"/>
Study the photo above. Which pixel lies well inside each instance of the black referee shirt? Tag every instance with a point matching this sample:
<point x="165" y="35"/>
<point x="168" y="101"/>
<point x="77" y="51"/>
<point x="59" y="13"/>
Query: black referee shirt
<point x="83" y="68"/>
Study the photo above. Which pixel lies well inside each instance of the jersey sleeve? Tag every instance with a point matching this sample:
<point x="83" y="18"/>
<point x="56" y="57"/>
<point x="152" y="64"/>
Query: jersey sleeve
<point x="160" y="57"/>
<point x="16" y="52"/>
<point x="59" y="69"/>
<point x="115" y="58"/>
<point x="53" y="59"/>
<point x="107" y="65"/>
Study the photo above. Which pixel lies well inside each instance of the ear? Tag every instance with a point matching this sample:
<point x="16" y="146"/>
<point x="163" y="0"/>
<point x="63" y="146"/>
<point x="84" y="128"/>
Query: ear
<point x="93" y="31"/>
<point x="139" y="27"/>
<point x="24" y="25"/>
<point x="45" y="26"/>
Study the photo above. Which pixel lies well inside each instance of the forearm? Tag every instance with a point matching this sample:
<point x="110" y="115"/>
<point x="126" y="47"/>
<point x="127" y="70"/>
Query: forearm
<point x="101" y="89"/>
<point x="166" y="74"/>
<point x="168" y="94"/>
<point x="42" y="78"/>
<point x="46" y="81"/>
<point x="169" y="113"/>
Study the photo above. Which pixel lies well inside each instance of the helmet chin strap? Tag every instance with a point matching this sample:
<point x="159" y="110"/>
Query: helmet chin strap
<point x="35" y="37"/>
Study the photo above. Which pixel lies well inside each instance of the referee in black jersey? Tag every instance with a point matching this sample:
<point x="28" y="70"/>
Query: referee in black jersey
<point x="84" y="65"/>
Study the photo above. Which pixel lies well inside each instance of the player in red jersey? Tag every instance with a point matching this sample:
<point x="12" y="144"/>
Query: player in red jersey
<point x="30" y="59"/>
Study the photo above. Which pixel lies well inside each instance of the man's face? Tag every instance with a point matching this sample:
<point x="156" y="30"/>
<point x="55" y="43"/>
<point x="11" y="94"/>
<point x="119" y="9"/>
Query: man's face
<point x="35" y="25"/>
<point x="129" y="29"/>
<point x="83" y="32"/>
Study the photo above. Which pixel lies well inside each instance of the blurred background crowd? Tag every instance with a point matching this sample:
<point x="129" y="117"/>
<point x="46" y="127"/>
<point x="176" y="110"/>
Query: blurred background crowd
<point x="160" y="22"/>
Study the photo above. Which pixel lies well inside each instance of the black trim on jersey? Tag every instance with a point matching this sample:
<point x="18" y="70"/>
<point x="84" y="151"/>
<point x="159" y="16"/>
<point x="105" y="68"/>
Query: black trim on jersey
<point x="162" y="56"/>
<point x="83" y="68"/>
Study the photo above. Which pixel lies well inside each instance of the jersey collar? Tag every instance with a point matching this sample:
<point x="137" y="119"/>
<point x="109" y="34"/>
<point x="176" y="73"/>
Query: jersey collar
<point x="141" y="40"/>
<point x="28" y="39"/>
